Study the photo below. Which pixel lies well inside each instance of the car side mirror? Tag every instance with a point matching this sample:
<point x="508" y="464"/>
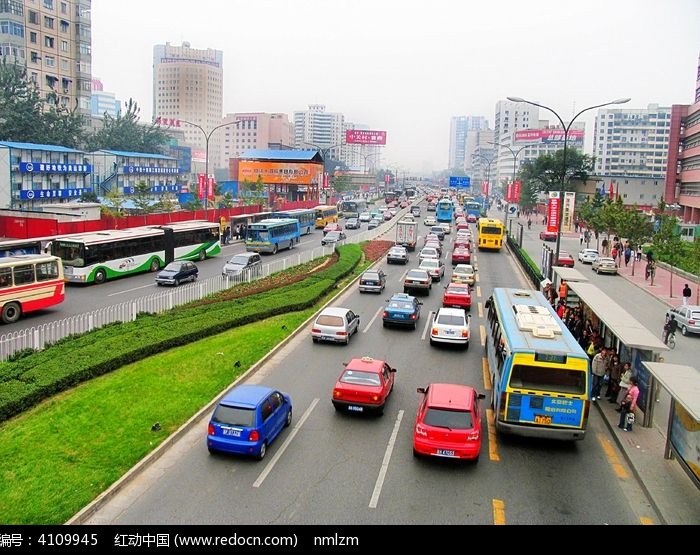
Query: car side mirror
<point x="421" y="390"/>
<point x="481" y="396"/>
<point x="392" y="370"/>
<point x="345" y="363"/>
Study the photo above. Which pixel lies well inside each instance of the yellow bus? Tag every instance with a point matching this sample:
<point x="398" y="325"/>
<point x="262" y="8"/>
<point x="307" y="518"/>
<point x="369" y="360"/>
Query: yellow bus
<point x="491" y="232"/>
<point x="325" y="214"/>
<point x="538" y="370"/>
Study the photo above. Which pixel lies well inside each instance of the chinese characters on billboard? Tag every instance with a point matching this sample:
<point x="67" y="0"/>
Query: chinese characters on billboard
<point x="553" y="207"/>
<point x="298" y="173"/>
<point x="365" y="137"/>
<point x="549" y="136"/>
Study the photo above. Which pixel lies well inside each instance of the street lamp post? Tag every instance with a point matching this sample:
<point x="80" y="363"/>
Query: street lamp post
<point x="207" y="136"/>
<point x="562" y="183"/>
<point x="514" y="153"/>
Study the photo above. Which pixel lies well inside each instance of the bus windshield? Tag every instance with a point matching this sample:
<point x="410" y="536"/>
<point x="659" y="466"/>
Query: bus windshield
<point x="258" y="234"/>
<point x="72" y="254"/>
<point x="542" y="378"/>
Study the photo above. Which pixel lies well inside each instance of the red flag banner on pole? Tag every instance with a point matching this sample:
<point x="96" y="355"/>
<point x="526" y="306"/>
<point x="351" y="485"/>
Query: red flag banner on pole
<point x="516" y="191"/>
<point x="611" y="191"/>
<point x="210" y="188"/>
<point x="200" y="185"/>
<point x="509" y="193"/>
<point x="553" y="208"/>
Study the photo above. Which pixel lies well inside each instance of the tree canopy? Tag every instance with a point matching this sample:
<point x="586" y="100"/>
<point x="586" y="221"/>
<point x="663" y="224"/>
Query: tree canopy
<point x="544" y="174"/>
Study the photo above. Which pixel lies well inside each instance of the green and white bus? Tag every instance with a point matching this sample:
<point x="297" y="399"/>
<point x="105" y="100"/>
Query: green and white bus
<point x="272" y="235"/>
<point x="102" y="255"/>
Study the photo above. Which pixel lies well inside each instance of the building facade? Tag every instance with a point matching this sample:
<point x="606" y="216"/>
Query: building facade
<point x="359" y="157"/>
<point x="464" y="132"/>
<point x="632" y="141"/>
<point x="188" y="87"/>
<point x="103" y="102"/>
<point x="683" y="173"/>
<point x="53" y="40"/>
<point x="317" y="128"/>
<point x="644" y="192"/>
<point x="510" y="117"/>
<point x="255" y="131"/>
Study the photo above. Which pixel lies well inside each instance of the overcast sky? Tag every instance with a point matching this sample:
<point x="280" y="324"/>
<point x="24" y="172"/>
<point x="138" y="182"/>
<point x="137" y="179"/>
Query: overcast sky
<point x="407" y="66"/>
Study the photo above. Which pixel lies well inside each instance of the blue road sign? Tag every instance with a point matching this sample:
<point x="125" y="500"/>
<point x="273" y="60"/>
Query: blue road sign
<point x="460" y="181"/>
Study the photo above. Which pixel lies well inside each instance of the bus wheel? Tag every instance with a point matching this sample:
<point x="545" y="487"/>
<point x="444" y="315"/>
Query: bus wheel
<point x="155" y="266"/>
<point x="100" y="276"/>
<point x="11" y="313"/>
<point x="202" y="255"/>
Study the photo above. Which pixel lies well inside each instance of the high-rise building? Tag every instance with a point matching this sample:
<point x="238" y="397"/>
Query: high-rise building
<point x="683" y="173"/>
<point x="632" y="141"/>
<point x="52" y="39"/>
<point x="510" y="117"/>
<point x="103" y="102"/>
<point x="255" y="130"/>
<point x="462" y="140"/>
<point x="358" y="157"/>
<point x="482" y="160"/>
<point x="188" y="86"/>
<point x="317" y="128"/>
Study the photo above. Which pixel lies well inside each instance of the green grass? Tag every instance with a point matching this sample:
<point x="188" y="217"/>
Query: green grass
<point x="58" y="456"/>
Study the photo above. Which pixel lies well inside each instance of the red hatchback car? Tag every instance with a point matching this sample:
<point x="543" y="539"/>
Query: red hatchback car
<point x="565" y="259"/>
<point x="461" y="255"/>
<point x="448" y="423"/>
<point x="457" y="295"/>
<point x="364" y="385"/>
<point x="548" y="235"/>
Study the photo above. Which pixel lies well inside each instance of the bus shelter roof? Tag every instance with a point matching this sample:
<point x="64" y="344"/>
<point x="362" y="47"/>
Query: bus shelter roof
<point x="627" y="328"/>
<point x="682" y="382"/>
<point x="569" y="274"/>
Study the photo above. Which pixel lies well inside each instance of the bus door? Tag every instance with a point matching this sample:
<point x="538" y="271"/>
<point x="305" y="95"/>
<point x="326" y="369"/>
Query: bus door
<point x="169" y="244"/>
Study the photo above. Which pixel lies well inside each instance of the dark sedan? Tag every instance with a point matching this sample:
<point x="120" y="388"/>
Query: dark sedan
<point x="177" y="272"/>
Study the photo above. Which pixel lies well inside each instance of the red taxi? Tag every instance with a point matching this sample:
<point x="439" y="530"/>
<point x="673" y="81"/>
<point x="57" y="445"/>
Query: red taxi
<point x="364" y="385"/>
<point x="461" y="255"/>
<point x="448" y="423"/>
<point x="457" y="295"/>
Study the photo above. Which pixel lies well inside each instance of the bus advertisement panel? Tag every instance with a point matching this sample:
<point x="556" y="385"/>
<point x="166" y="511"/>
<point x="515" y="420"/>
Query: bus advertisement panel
<point x="538" y="370"/>
<point x="272" y="235"/>
<point x="29" y="282"/>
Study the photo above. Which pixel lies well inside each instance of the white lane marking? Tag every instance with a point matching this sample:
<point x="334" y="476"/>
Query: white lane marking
<point x="427" y="325"/>
<point x="385" y="463"/>
<point x="403" y="277"/>
<point x="286" y="444"/>
<point x="130" y="290"/>
<point x="381" y="308"/>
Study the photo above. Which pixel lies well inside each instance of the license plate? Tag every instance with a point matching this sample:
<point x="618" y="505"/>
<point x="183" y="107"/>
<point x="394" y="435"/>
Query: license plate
<point x="327" y="338"/>
<point x="543" y="419"/>
<point x="234" y="432"/>
<point x="449" y="332"/>
<point x="355" y="408"/>
<point x="444" y="453"/>
<point x="370" y="283"/>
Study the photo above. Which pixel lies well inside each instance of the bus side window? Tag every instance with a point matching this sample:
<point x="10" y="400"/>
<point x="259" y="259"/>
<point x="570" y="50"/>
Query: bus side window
<point x="5" y="277"/>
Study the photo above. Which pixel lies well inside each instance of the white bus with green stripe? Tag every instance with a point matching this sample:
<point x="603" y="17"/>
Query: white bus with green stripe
<point x="101" y="255"/>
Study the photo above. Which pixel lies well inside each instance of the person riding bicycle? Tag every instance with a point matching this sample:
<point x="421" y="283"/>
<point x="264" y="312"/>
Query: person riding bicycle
<point x="670" y="328"/>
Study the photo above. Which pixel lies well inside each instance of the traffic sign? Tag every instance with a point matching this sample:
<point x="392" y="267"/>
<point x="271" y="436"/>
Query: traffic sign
<point x="460" y="181"/>
<point x="512" y="209"/>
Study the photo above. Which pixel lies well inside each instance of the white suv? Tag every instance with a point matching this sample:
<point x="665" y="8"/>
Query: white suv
<point x="450" y="325"/>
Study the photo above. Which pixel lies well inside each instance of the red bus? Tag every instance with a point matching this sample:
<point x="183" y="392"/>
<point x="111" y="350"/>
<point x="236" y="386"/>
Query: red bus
<point x="29" y="282"/>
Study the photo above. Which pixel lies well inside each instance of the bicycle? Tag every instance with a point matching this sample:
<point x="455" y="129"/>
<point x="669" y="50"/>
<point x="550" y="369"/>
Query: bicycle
<point x="670" y="340"/>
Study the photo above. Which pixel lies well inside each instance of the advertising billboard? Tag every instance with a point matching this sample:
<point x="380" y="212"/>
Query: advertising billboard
<point x="365" y="137"/>
<point x="299" y="173"/>
<point x="549" y="136"/>
<point x="553" y="208"/>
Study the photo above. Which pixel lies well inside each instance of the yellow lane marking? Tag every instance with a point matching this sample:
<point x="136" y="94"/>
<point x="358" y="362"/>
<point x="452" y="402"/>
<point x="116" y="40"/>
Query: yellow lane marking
<point x="499" y="512"/>
<point x="493" y="446"/>
<point x="478" y="291"/>
<point x="481" y="309"/>
<point x="614" y="460"/>
<point x="482" y="332"/>
<point x="646" y="521"/>
<point x="487" y="375"/>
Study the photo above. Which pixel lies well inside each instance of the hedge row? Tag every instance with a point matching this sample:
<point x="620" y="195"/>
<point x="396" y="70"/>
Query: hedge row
<point x="28" y="380"/>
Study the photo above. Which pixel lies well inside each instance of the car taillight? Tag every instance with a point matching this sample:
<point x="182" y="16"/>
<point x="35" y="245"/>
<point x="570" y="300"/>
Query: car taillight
<point x="434" y="331"/>
<point x="211" y="430"/>
<point x="473" y="436"/>
<point x="691" y="322"/>
<point x="413" y="316"/>
<point x="341" y="333"/>
<point x="385" y="314"/>
<point x="465" y="333"/>
<point x="337" y="393"/>
<point x="315" y="330"/>
<point x="254" y="436"/>
<point x="375" y="397"/>
<point x="421" y="431"/>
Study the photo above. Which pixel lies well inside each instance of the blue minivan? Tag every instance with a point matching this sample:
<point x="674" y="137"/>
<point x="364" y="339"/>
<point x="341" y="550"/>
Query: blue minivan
<point x="248" y="419"/>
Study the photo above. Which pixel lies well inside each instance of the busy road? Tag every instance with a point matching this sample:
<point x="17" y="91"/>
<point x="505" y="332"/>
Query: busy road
<point x="335" y="468"/>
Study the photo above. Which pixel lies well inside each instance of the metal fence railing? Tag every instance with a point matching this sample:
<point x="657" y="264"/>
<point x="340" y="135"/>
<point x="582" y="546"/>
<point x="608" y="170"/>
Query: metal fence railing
<point x="39" y="337"/>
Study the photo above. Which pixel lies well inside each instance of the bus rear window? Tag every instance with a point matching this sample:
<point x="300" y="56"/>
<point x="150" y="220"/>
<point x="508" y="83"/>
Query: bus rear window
<point x="488" y="230"/>
<point x="556" y="380"/>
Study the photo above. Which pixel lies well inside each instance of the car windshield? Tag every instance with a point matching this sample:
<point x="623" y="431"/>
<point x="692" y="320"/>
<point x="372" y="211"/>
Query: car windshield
<point x="402" y="305"/>
<point x="451" y="419"/>
<point x="430" y="263"/>
<point x="415" y="274"/>
<point x="450" y="320"/>
<point x="333" y="235"/>
<point x="374" y="276"/>
<point x="397" y="251"/>
<point x="239" y="260"/>
<point x="360" y="377"/>
<point x="234" y="416"/>
<point x="328" y="320"/>
<point x="452" y="290"/>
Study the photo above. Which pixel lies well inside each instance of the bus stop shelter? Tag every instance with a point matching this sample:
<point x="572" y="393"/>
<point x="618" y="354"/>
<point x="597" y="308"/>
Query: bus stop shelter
<point x="683" y="437"/>
<point x="627" y="337"/>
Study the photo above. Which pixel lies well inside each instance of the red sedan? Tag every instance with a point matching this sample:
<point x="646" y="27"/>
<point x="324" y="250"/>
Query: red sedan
<point x="448" y="423"/>
<point x="461" y="255"/>
<point x="458" y="295"/>
<point x="548" y="235"/>
<point x="332" y="227"/>
<point x="364" y="385"/>
<point x="565" y="259"/>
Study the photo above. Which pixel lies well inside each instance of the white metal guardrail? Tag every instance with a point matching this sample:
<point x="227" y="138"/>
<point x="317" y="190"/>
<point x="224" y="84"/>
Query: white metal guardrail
<point x="40" y="336"/>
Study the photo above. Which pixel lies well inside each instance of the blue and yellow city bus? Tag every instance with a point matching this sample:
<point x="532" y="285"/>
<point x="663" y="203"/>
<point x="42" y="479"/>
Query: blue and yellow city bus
<point x="538" y="370"/>
<point x="445" y="210"/>
<point x="306" y="217"/>
<point x="272" y="235"/>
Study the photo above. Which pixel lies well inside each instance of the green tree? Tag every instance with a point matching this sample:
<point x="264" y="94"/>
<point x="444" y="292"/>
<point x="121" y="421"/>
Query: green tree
<point x="544" y="173"/>
<point x="89" y="196"/>
<point x="114" y="203"/>
<point x="589" y="213"/>
<point x="226" y="201"/>
<point x="341" y="183"/>
<point x="194" y="204"/>
<point x="667" y="242"/>
<point x="635" y="227"/>
<point x="143" y="197"/>
<point x="528" y="195"/>
<point x="124" y="132"/>
<point x="62" y="126"/>
<point x="167" y="203"/>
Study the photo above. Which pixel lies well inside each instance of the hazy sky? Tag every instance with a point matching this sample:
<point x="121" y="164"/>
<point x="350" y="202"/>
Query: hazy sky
<point x="407" y="66"/>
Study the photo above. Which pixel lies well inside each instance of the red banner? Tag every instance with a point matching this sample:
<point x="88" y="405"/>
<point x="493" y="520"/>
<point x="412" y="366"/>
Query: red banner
<point x="387" y="178"/>
<point x="516" y="191"/>
<point x="325" y="180"/>
<point x="509" y="193"/>
<point x="210" y="188"/>
<point x="365" y="137"/>
<point x="201" y="181"/>
<point x="553" y="208"/>
<point x="485" y="188"/>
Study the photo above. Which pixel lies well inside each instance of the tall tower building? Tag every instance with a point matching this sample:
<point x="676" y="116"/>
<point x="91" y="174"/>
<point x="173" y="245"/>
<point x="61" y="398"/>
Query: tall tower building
<point x="632" y="142"/>
<point x="104" y="102"/>
<point x="53" y="40"/>
<point x="188" y="86"/>
<point x="462" y="139"/>
<point x="317" y="127"/>
<point x="510" y="117"/>
<point x="255" y="130"/>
